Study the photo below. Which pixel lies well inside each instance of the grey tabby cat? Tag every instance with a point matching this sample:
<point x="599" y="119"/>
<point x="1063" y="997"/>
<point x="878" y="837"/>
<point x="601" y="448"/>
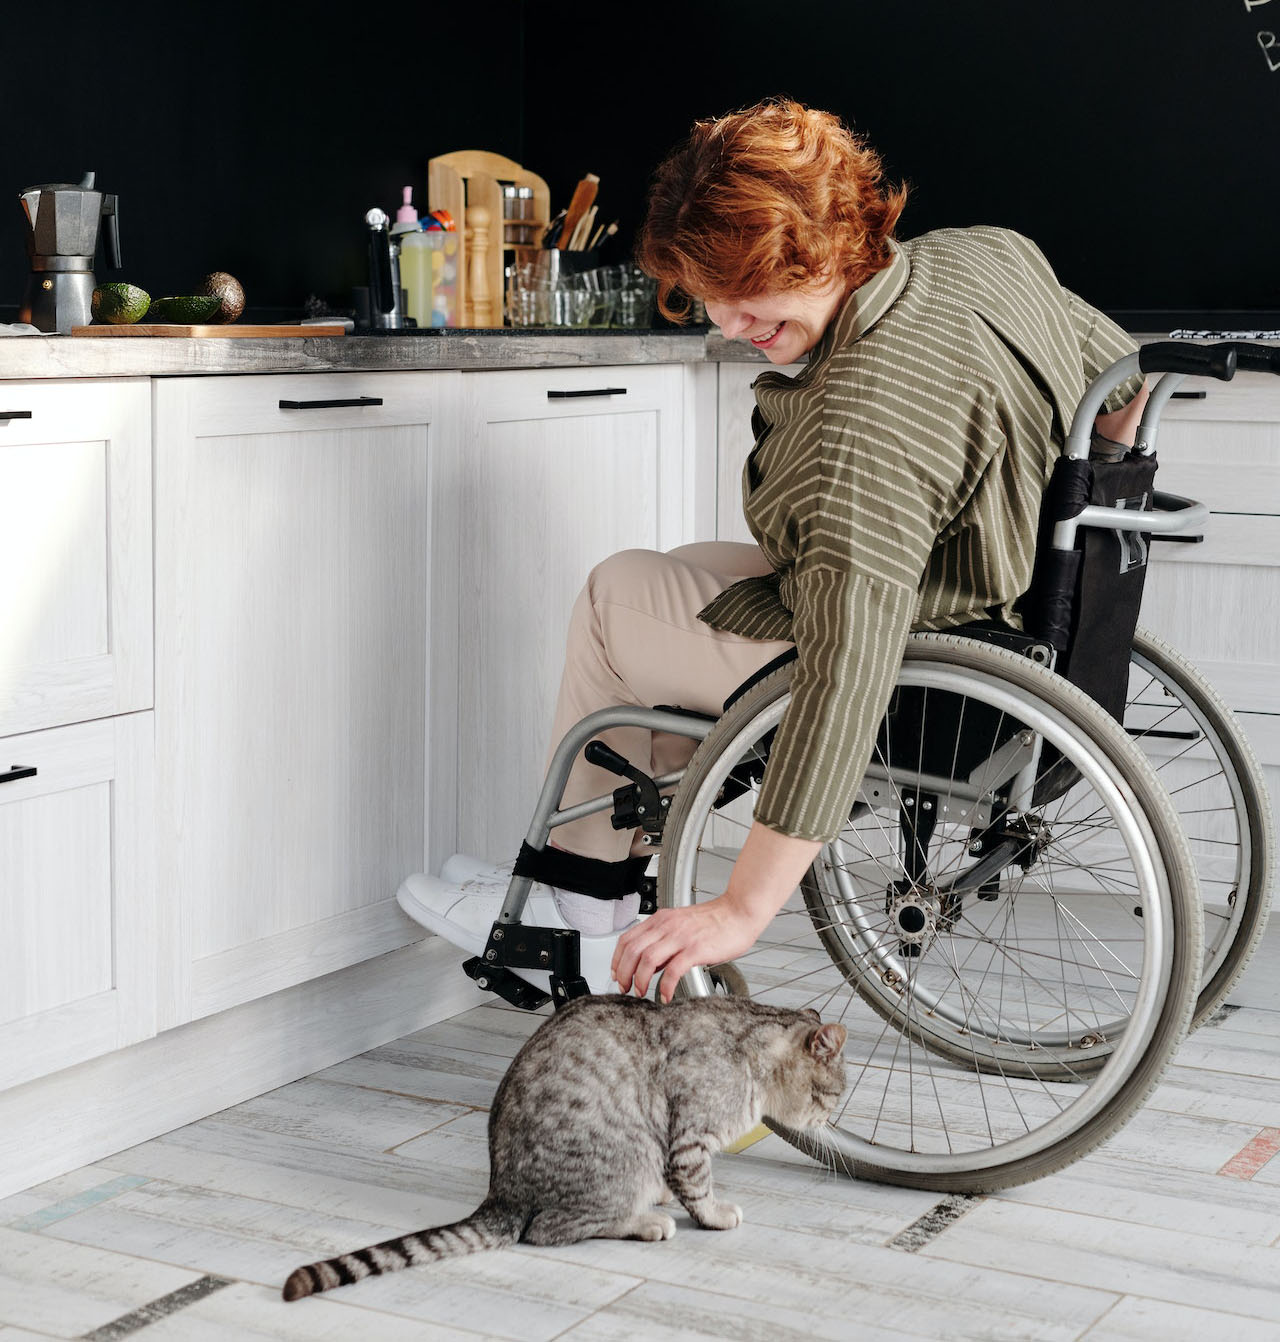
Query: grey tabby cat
<point x="613" y="1104"/>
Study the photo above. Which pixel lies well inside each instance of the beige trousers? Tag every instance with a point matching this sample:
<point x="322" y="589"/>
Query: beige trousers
<point x="635" y="638"/>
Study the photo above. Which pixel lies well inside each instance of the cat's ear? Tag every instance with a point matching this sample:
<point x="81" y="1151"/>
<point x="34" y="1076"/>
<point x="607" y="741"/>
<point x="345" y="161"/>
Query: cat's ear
<point x="826" y="1041"/>
<point x="810" y="1012"/>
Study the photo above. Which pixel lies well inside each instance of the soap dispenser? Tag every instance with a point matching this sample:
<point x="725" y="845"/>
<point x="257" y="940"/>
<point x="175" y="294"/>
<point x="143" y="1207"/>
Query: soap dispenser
<point x="415" y="261"/>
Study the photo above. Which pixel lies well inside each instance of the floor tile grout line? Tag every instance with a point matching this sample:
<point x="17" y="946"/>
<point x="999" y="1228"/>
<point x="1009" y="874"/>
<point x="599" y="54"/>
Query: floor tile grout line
<point x="221" y="1192"/>
<point x="1217" y="1310"/>
<point x="359" y="1085"/>
<point x="1089" y="1327"/>
<point x="1181" y="1232"/>
<point x="1136" y="1294"/>
<point x="608" y="1304"/>
<point x="161" y="1308"/>
<point x="703" y="1290"/>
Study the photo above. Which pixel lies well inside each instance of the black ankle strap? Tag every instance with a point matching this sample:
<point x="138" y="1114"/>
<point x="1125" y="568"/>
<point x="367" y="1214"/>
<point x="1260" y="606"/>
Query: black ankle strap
<point x="582" y="875"/>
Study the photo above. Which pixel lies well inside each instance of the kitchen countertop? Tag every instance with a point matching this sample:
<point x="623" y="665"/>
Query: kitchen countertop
<point x="466" y="349"/>
<point x="100" y="356"/>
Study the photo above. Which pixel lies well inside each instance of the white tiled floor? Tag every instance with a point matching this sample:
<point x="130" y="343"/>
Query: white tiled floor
<point x="189" y="1237"/>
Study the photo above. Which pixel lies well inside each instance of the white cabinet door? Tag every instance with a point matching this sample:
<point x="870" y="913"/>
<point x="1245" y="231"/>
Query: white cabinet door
<point x="292" y="610"/>
<point x="735" y="440"/>
<point x="77" y="958"/>
<point x="75" y="551"/>
<point x="557" y="470"/>
<point x="1219" y="602"/>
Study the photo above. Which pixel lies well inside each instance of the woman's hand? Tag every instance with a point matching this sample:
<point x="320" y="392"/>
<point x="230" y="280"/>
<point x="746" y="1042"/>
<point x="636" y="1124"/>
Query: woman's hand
<point x="673" y="941"/>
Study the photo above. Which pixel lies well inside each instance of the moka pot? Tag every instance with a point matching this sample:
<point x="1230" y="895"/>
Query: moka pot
<point x="62" y="239"/>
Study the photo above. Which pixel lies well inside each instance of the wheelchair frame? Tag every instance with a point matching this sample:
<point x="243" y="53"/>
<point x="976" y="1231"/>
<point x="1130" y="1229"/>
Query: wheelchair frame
<point x="1170" y="515"/>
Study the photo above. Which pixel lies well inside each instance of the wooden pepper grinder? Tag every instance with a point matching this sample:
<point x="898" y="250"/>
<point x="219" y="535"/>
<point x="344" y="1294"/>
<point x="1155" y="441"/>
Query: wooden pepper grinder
<point x="478" y="224"/>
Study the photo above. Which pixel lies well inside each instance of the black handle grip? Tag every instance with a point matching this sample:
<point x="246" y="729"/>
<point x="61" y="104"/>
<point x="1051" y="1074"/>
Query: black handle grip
<point x="15" y="414"/>
<point x="17" y="771"/>
<point x="596" y="391"/>
<point x="599" y="754"/>
<point x="1257" y="358"/>
<point x="111" y="230"/>
<point x="355" y="402"/>
<point x="1222" y="360"/>
<point x="1174" y="356"/>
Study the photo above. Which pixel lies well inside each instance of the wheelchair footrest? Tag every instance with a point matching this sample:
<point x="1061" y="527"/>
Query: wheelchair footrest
<point x="507" y="985"/>
<point x="523" y="946"/>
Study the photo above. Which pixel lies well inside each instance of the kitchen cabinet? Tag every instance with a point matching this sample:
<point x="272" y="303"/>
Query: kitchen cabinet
<point x="75" y="551"/>
<point x="76" y="887"/>
<point x="1219" y="602"/>
<point x="77" y="968"/>
<point x="734" y="440"/>
<point x="554" y="471"/>
<point x="293" y="606"/>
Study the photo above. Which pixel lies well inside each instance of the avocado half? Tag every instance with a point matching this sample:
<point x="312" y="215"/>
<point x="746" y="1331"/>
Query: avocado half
<point x="119" y="304"/>
<point x="192" y="309"/>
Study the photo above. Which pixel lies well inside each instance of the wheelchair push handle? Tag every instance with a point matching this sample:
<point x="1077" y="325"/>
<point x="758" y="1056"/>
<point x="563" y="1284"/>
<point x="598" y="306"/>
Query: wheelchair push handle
<point x="1176" y="359"/>
<point x="1221" y="360"/>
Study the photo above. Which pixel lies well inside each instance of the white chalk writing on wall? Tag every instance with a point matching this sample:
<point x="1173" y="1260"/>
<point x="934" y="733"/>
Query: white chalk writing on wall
<point x="1266" y="40"/>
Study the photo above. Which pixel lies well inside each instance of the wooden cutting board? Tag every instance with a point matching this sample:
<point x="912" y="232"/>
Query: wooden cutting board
<point x="222" y="332"/>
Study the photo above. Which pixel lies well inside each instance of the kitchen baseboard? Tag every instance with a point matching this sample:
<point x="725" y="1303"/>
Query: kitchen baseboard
<point x="97" y="1108"/>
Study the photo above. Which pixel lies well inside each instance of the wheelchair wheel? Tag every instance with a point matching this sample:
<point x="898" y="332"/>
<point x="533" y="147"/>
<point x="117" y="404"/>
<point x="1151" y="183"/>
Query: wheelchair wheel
<point x="1199" y="753"/>
<point x="1013" y="981"/>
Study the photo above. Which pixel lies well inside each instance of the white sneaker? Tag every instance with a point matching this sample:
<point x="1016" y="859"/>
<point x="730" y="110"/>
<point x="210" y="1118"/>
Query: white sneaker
<point x="462" y="904"/>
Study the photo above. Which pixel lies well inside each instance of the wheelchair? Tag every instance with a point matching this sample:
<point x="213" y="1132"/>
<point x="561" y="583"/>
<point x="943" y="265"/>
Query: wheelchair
<point x="1019" y="921"/>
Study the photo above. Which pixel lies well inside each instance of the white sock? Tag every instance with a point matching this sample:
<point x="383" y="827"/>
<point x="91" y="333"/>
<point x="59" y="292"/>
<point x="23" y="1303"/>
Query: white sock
<point x="625" y="911"/>
<point x="585" y="912"/>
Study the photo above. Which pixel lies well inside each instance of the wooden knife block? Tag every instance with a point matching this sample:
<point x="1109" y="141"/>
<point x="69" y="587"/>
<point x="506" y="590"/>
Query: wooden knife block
<point x="467" y="184"/>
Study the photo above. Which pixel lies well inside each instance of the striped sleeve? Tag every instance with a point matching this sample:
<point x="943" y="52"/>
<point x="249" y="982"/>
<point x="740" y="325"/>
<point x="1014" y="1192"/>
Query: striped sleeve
<point x="865" y="538"/>
<point x="1102" y="342"/>
<point x="850" y="632"/>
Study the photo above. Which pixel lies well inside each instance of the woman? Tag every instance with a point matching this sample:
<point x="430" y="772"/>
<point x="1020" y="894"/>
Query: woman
<point x="894" y="485"/>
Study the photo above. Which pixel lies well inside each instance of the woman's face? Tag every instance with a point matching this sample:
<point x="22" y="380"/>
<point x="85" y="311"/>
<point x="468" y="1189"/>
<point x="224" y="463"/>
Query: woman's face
<point x="784" y="325"/>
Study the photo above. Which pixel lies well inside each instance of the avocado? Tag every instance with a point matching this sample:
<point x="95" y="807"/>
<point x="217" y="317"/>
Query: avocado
<point x="189" y="308"/>
<point x="226" y="289"/>
<point x="119" y="304"/>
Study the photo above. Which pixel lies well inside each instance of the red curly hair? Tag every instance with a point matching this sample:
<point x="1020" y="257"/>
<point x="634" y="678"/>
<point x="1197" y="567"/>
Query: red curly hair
<point x="764" y="200"/>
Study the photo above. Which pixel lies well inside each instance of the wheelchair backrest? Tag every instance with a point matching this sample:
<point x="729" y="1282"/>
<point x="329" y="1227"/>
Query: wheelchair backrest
<point x="1085" y="602"/>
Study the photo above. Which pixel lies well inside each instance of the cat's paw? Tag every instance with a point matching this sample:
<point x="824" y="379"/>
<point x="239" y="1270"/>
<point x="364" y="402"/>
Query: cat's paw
<point x="654" y="1226"/>
<point x="721" y="1216"/>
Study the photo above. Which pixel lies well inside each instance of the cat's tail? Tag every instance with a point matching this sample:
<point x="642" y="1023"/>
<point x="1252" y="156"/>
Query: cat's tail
<point x="493" y="1225"/>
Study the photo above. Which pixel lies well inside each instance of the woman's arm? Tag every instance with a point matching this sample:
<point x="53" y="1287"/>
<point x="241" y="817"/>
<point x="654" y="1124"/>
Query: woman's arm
<point x="769" y="867"/>
<point x="1121" y="426"/>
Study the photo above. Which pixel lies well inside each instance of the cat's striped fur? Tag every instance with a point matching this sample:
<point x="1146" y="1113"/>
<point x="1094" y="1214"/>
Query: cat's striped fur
<point x="613" y="1104"/>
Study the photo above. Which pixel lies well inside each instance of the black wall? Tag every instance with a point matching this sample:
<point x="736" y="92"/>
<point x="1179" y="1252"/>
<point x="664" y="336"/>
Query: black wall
<point x="1135" y="140"/>
<point x="248" y="137"/>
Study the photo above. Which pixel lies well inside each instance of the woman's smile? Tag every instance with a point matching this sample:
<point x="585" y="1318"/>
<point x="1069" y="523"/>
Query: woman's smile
<point x="787" y="324"/>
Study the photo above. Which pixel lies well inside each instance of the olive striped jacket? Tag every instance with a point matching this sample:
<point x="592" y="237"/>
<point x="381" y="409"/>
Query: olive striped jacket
<point x="895" y="484"/>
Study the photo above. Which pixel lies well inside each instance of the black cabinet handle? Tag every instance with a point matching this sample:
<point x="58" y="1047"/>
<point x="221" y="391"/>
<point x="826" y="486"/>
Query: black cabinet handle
<point x="597" y="391"/>
<point x="1189" y="395"/>
<point x="14" y="414"/>
<point x="17" y="771"/>
<point x="354" y="403"/>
